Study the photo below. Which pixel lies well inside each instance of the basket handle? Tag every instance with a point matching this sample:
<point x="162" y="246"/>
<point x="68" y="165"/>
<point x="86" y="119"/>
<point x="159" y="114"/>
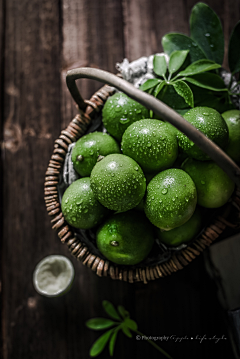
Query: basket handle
<point x="162" y="110"/>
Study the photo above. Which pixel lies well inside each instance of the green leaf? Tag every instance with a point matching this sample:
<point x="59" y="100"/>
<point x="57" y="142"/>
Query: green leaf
<point x="171" y="98"/>
<point x="184" y="90"/>
<point x="206" y="31"/>
<point x="149" y="84"/>
<point x="234" y="50"/>
<point x="126" y="331"/>
<point x="158" y="88"/>
<point x="113" y="341"/>
<point x="176" y="60"/>
<point x="216" y="103"/>
<point x="99" y="323"/>
<point x="110" y="310"/>
<point x="124" y="313"/>
<point x="207" y="81"/>
<point x="130" y="324"/>
<point x="159" y="65"/>
<point x="100" y="343"/>
<point x="174" y="41"/>
<point x="199" y="66"/>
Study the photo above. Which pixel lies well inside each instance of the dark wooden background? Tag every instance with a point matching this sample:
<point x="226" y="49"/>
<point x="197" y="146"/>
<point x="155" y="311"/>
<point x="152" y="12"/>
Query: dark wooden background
<point x="39" y="42"/>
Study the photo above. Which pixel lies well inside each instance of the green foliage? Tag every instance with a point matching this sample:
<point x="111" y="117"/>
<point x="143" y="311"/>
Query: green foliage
<point x="206" y="30"/>
<point x="124" y="324"/>
<point x="99" y="323"/>
<point x="110" y="310"/>
<point x="160" y="65"/>
<point x="234" y="50"/>
<point x="195" y="63"/>
<point x="176" y="60"/>
<point x="158" y="87"/>
<point x="174" y="41"/>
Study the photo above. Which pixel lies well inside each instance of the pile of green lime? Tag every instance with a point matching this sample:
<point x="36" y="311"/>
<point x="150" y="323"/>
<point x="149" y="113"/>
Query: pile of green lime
<point x="143" y="180"/>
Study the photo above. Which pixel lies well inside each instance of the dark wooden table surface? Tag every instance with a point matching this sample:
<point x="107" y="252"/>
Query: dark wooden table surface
<point x="39" y="42"/>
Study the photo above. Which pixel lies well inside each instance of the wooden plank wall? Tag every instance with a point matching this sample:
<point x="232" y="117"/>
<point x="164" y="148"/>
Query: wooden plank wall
<point x="39" y="42"/>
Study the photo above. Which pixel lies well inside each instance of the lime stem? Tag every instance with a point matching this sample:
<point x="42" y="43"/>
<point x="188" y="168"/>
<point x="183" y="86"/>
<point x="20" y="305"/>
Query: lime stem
<point x="154" y="344"/>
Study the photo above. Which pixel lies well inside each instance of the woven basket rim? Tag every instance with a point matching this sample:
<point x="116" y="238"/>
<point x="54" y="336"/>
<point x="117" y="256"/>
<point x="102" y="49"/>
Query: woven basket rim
<point x="77" y="128"/>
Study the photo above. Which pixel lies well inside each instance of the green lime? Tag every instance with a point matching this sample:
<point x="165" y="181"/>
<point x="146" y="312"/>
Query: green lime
<point x="53" y="276"/>
<point x="118" y="182"/>
<point x="80" y="207"/>
<point x="183" y="233"/>
<point x="126" y="238"/>
<point x="214" y="187"/>
<point x="119" y="112"/>
<point x="209" y="122"/>
<point x="232" y="119"/>
<point x="170" y="199"/>
<point x="88" y="148"/>
<point x="151" y="143"/>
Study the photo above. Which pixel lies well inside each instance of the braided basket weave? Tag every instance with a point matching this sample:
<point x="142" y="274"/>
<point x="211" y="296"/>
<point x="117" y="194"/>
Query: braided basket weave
<point x="79" y="249"/>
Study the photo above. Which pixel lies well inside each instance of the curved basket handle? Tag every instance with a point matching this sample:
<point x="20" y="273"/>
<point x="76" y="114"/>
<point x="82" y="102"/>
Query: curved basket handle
<point x="162" y="110"/>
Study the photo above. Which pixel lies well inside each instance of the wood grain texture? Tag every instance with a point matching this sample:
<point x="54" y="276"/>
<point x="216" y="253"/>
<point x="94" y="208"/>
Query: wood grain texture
<point x="40" y="41"/>
<point x="92" y="36"/>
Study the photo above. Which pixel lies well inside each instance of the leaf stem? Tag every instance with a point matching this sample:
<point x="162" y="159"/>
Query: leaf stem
<point x="165" y="78"/>
<point x="154" y="344"/>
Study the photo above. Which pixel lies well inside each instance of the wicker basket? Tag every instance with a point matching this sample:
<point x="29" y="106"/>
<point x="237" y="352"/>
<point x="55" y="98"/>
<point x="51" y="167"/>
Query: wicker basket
<point x="77" y="128"/>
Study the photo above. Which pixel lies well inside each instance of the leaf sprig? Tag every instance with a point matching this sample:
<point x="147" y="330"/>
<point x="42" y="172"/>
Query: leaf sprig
<point x="196" y="85"/>
<point x="120" y="321"/>
<point x="169" y="76"/>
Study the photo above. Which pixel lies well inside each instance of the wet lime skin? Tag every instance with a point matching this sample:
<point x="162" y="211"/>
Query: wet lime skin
<point x="171" y="198"/>
<point x="118" y="182"/>
<point x="214" y="187"/>
<point x="89" y="147"/>
<point x="119" y="112"/>
<point x="232" y="119"/>
<point x="182" y="234"/>
<point x="80" y="206"/>
<point x="210" y="123"/>
<point x="132" y="234"/>
<point x="151" y="143"/>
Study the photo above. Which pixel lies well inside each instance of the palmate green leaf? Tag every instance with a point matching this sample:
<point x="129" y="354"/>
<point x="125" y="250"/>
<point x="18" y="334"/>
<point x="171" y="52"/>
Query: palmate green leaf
<point x="176" y="60"/>
<point x="174" y="41"/>
<point x="159" y="65"/>
<point x="234" y="50"/>
<point x="110" y="310"/>
<point x="199" y="66"/>
<point x="99" y="323"/>
<point x="100" y="343"/>
<point x="206" y="30"/>
<point x="130" y="324"/>
<point x="158" y="88"/>
<point x="149" y="84"/>
<point x="184" y="90"/>
<point x="207" y="81"/>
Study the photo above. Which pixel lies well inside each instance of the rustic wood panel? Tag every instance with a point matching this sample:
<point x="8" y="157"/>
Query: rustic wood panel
<point x="92" y="36"/>
<point x="41" y="41"/>
<point x="31" y="123"/>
